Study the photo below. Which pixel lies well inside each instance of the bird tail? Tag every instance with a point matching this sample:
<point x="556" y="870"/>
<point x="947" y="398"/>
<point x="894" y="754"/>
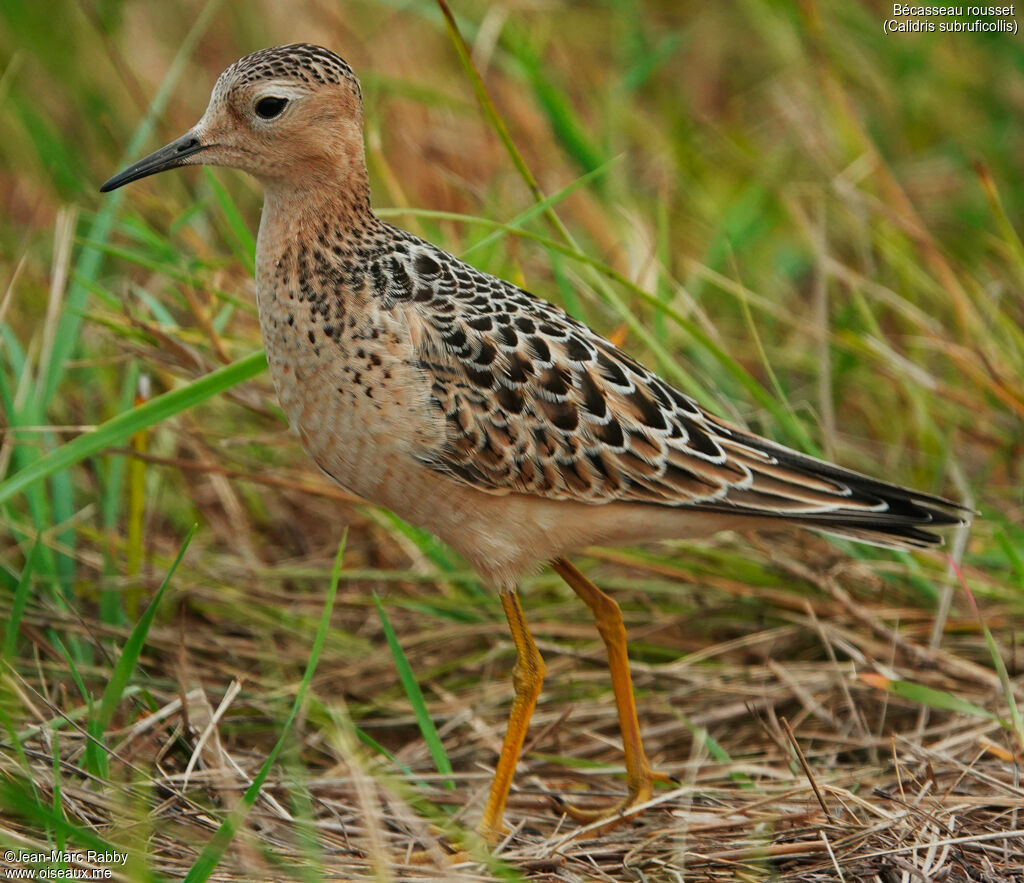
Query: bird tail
<point x="845" y="503"/>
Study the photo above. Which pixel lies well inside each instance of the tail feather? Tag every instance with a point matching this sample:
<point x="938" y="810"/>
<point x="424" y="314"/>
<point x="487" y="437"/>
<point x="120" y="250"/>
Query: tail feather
<point x="860" y="507"/>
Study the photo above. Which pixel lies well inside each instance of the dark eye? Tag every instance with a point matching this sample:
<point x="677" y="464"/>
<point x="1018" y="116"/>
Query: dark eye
<point x="270" y="107"/>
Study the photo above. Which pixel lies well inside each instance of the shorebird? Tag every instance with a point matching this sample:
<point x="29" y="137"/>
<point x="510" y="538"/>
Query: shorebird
<point x="476" y="410"/>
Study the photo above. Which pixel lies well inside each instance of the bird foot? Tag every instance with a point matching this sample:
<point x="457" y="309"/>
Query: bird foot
<point x="424" y="857"/>
<point x="447" y="851"/>
<point x="640" y="791"/>
<point x="493" y="834"/>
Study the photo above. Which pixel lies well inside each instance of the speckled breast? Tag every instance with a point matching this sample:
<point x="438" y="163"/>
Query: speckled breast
<point x="344" y="373"/>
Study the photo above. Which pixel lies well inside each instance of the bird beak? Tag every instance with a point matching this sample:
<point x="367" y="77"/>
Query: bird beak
<point x="170" y="157"/>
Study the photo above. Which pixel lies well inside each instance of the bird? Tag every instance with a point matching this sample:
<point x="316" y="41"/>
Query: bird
<point x="479" y="411"/>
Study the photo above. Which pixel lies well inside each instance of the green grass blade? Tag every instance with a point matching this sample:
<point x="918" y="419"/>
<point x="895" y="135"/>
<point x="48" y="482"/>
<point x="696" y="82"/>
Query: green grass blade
<point x="111" y="609"/>
<point x="997" y="657"/>
<point x="116" y="430"/>
<point x="928" y="696"/>
<point x="221" y="840"/>
<point x="419" y="705"/>
<point x="447" y="562"/>
<point x="133" y="646"/>
<point x="21" y="593"/>
<point x="96" y="760"/>
<point x="1013" y="549"/>
<point x="57" y="800"/>
<point x="14" y="739"/>
<point x="89" y="260"/>
<point x="541" y="206"/>
<point x="244" y="242"/>
<point x="715" y="749"/>
<point x="565" y="124"/>
<point x="375" y="746"/>
<point x="493" y="117"/>
<point x="76" y="675"/>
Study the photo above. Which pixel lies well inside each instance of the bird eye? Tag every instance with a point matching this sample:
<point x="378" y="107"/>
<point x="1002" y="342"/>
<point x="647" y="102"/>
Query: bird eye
<point x="270" y="107"/>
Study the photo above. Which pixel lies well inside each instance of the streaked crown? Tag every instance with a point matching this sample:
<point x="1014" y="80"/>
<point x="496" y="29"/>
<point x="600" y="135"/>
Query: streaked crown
<point x="302" y="61"/>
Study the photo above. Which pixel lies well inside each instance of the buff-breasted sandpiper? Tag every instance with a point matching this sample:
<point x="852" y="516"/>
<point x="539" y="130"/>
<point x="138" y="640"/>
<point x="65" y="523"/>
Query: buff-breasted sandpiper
<point x="473" y="409"/>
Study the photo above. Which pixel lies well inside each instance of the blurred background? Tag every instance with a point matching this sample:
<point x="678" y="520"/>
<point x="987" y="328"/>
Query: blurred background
<point x="804" y="222"/>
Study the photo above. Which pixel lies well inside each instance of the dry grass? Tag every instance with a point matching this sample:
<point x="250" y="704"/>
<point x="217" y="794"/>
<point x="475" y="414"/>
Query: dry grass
<point x="789" y="765"/>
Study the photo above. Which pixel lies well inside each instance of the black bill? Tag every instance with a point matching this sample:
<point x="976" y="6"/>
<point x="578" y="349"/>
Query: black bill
<point x="169" y="157"/>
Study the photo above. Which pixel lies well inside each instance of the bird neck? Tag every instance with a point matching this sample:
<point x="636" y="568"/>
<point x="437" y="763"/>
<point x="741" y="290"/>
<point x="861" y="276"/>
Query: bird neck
<point x="322" y="224"/>
<point x="331" y="215"/>
<point x="342" y="195"/>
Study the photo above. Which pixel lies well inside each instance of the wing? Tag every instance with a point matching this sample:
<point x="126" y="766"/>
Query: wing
<point x="534" y="402"/>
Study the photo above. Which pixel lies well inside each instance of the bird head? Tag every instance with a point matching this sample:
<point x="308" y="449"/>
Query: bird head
<point x="287" y="115"/>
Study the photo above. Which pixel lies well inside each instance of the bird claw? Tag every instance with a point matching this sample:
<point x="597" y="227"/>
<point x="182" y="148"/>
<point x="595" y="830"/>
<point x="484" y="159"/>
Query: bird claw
<point x="639" y="793"/>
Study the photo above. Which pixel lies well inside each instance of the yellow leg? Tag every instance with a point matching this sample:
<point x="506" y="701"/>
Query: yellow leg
<point x="527" y="678"/>
<point x="608" y="617"/>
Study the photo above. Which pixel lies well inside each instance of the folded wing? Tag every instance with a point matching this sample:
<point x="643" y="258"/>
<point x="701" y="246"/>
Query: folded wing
<point x="534" y="402"/>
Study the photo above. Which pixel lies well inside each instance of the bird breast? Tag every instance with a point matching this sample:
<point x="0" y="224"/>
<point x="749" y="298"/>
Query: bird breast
<point x="343" y="370"/>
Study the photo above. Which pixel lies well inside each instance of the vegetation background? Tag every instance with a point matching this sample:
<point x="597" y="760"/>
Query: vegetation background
<point x="807" y="224"/>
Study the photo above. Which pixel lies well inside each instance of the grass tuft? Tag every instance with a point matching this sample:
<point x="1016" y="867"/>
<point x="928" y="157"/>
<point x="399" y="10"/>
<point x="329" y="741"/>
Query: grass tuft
<point x="415" y="695"/>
